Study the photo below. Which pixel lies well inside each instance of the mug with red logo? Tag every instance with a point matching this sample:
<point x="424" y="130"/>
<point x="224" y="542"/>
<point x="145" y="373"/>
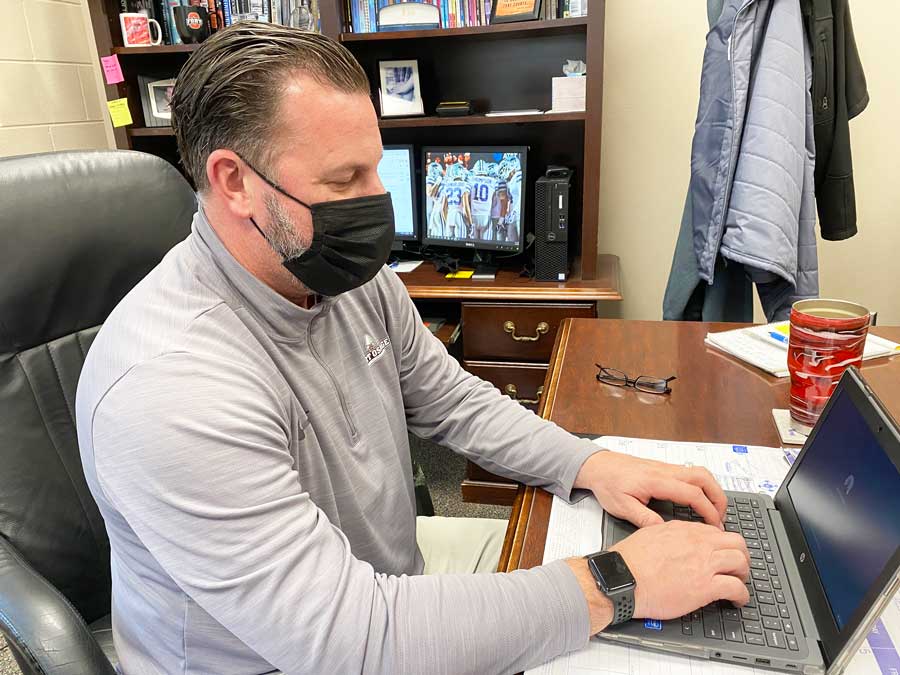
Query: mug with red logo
<point x="136" y="30"/>
<point x="192" y="23"/>
<point x="827" y="337"/>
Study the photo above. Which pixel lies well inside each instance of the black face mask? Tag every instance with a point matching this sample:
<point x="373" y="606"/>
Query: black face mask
<point x="351" y="241"/>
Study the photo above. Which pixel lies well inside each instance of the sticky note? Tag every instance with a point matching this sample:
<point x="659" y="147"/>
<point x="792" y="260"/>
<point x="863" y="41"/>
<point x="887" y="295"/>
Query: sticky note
<point x="119" y="112"/>
<point x="461" y="274"/>
<point x="111" y="69"/>
<point x="783" y="328"/>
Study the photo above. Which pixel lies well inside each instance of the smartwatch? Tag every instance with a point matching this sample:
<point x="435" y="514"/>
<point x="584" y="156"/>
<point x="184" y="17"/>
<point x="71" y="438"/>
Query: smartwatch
<point x="615" y="581"/>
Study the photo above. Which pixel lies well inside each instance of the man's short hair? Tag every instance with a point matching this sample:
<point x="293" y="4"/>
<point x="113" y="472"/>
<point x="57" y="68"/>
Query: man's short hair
<point x="228" y="93"/>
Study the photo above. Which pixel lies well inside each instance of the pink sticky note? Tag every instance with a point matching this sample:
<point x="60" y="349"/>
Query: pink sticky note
<point x="111" y="69"/>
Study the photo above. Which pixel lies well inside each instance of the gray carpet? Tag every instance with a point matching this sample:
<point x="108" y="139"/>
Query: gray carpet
<point x="7" y="665"/>
<point x="444" y="471"/>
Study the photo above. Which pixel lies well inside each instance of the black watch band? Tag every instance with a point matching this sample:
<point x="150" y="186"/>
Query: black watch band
<point x="615" y="581"/>
<point x="623" y="606"/>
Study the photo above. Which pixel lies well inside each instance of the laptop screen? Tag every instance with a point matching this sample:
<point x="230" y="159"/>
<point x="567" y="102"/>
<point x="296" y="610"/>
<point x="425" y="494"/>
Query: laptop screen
<point x="846" y="495"/>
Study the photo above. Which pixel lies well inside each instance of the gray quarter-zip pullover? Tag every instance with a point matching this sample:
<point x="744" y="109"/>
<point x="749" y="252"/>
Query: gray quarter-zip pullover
<point x="251" y="462"/>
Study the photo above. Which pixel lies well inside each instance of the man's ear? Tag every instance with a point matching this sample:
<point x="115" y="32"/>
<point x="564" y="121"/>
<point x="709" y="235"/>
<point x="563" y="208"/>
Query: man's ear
<point x="229" y="178"/>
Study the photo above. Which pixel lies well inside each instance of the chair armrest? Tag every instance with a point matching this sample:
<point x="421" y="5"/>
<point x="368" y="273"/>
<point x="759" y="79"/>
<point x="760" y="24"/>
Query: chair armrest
<point x="44" y="631"/>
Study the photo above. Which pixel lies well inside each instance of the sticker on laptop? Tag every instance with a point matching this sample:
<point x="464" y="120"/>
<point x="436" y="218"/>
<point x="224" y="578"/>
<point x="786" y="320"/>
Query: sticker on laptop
<point x="740" y="449"/>
<point x="652" y="624"/>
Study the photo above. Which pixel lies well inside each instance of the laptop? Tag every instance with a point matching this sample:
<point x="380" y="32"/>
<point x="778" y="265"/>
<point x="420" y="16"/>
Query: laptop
<point x="825" y="553"/>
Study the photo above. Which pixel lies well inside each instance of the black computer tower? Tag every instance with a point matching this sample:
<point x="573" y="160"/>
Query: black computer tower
<point x="551" y="225"/>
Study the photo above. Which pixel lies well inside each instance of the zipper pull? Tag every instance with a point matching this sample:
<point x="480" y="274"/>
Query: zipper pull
<point x="825" y="103"/>
<point x="729" y="47"/>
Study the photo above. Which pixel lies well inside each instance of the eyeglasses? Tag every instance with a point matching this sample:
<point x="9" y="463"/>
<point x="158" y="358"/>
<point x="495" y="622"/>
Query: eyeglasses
<point x="645" y="383"/>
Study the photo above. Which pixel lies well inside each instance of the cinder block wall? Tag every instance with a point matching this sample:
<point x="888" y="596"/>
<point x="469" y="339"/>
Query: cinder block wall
<point x="51" y="94"/>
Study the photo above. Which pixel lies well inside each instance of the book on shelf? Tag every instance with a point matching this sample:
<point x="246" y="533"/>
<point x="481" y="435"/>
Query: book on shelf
<point x="572" y="8"/>
<point x="303" y="14"/>
<point x="363" y="14"/>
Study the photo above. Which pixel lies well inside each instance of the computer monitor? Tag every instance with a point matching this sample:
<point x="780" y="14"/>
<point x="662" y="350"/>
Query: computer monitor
<point x="397" y="170"/>
<point x="474" y="197"/>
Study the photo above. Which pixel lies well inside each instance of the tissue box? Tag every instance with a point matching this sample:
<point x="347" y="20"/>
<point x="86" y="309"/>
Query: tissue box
<point x="568" y="93"/>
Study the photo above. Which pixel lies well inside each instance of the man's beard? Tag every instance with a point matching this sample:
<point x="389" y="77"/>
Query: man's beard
<point x="284" y="240"/>
<point x="282" y="233"/>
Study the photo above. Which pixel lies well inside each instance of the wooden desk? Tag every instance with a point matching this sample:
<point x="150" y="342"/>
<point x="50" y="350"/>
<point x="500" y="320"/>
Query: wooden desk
<point x="508" y="326"/>
<point x="716" y="399"/>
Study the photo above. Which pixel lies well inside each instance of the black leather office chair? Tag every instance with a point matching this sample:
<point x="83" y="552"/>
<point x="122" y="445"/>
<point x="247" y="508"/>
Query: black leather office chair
<point x="77" y="231"/>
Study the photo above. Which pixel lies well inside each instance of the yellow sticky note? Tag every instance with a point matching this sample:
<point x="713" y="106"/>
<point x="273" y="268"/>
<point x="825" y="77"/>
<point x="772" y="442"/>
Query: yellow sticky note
<point x="119" y="112"/>
<point x="461" y="274"/>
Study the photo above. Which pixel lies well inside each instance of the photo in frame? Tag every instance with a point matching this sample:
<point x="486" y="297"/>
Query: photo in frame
<point x="156" y="97"/>
<point x="400" y="92"/>
<point x="509" y="11"/>
<point x="161" y="98"/>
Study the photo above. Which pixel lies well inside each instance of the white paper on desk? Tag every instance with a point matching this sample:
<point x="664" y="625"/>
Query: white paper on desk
<point x="405" y="266"/>
<point x="576" y="529"/>
<point x="756" y="346"/>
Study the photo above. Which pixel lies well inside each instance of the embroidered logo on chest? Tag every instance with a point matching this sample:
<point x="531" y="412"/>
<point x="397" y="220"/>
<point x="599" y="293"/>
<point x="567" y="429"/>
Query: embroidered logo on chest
<point x="375" y="348"/>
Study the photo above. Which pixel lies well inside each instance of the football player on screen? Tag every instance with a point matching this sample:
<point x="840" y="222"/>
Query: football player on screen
<point x="483" y="188"/>
<point x="455" y="195"/>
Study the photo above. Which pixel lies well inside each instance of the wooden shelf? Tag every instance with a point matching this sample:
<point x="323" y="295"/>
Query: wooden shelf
<point x="432" y="121"/>
<point x="150" y="131"/>
<point x="474" y="120"/>
<point x="425" y="282"/>
<point x="574" y="25"/>
<point x="158" y="49"/>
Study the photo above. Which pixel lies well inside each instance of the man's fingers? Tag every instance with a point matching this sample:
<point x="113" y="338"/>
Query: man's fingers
<point x="689" y="495"/>
<point x="730" y="561"/>
<point x="704" y="480"/>
<point x="638" y="514"/>
<point x="727" y="587"/>
<point x="732" y="540"/>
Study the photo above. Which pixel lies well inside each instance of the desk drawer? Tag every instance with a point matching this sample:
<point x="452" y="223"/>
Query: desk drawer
<point x="523" y="382"/>
<point x="516" y="331"/>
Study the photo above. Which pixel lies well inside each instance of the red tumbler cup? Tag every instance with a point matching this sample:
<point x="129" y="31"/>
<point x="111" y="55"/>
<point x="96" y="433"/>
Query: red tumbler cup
<point x="827" y="336"/>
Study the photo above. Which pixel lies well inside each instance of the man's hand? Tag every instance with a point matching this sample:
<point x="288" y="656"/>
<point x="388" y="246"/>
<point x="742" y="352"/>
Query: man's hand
<point x="624" y="485"/>
<point x="681" y="566"/>
<point x="678" y="567"/>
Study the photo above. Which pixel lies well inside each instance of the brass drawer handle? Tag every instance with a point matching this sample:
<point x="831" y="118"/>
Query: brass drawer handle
<point x="542" y="329"/>
<point x="512" y="391"/>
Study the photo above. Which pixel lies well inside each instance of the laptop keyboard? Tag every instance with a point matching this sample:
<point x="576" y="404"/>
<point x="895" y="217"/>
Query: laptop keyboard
<point x="769" y="618"/>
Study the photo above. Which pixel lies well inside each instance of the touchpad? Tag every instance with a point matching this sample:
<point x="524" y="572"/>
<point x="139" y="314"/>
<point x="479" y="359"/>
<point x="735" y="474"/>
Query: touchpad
<point x="616" y="529"/>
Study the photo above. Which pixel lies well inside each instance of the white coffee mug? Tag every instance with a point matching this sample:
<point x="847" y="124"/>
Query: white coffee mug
<point x="136" y="30"/>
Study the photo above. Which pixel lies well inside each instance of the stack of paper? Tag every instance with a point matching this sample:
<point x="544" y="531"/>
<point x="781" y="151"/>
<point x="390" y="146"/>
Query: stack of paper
<point x="766" y="346"/>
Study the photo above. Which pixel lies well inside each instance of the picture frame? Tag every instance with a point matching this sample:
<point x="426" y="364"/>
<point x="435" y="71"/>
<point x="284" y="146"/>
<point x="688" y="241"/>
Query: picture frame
<point x="510" y="11"/>
<point x="161" y="98"/>
<point x="155" y="91"/>
<point x="400" y="91"/>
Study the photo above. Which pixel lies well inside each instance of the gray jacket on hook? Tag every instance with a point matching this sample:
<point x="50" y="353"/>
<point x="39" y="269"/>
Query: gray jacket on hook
<point x="752" y="196"/>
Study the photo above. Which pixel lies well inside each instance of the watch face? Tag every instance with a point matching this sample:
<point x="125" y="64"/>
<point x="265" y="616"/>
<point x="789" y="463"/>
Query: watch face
<point x="611" y="571"/>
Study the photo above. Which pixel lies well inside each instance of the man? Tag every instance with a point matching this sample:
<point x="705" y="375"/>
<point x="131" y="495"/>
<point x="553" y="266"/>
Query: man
<point x="482" y="187"/>
<point x="250" y="456"/>
<point x="455" y="204"/>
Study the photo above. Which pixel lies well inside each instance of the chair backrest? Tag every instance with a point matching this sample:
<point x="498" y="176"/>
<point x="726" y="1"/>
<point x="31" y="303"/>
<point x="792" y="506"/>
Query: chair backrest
<point x="77" y="231"/>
